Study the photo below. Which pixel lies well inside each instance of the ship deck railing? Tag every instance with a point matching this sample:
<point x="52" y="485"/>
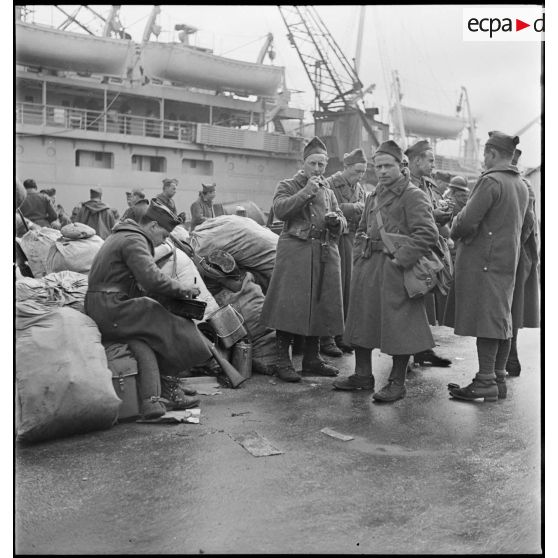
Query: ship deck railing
<point x="114" y="122"/>
<point x="111" y="122"/>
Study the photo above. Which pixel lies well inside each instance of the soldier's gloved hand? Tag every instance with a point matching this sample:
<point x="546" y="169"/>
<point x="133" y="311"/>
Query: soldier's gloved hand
<point x="190" y="292"/>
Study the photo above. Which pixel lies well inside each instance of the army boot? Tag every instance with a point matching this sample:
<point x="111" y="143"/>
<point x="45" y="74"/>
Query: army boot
<point x="501" y="384"/>
<point x="362" y="379"/>
<point x="174" y="398"/>
<point x="328" y="347"/>
<point x="284" y="364"/>
<point x="312" y="363"/>
<point x="483" y="386"/>
<point x="149" y="383"/>
<point x="342" y="345"/>
<point x="395" y="388"/>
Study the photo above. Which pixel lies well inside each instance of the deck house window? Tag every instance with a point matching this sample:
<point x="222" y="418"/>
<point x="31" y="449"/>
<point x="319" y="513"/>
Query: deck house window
<point x="197" y="166"/>
<point x="149" y="163"/>
<point x="94" y="159"/>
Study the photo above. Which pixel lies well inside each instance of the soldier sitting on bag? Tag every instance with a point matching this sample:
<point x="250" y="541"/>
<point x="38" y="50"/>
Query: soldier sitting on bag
<point x="122" y="311"/>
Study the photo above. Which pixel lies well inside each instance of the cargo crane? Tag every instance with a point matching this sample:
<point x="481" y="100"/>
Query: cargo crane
<point x="339" y="119"/>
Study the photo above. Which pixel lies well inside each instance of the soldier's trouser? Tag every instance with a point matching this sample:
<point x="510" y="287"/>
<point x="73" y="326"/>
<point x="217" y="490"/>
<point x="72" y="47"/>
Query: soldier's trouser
<point x="363" y="362"/>
<point x="492" y="355"/>
<point x="148" y="371"/>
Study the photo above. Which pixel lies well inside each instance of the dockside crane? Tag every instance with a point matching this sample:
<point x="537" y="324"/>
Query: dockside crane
<point x="339" y="118"/>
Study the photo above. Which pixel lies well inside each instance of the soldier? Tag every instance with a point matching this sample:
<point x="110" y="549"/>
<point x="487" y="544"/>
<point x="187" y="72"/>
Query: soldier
<point x="169" y="190"/>
<point x="96" y="213"/>
<point x="489" y="233"/>
<point x="350" y="195"/>
<point x="122" y="276"/>
<point x="525" y="304"/>
<point x="202" y="208"/>
<point x="37" y="207"/>
<point x="421" y="165"/>
<point x="304" y="296"/>
<point x="381" y="314"/>
<point x="138" y="205"/>
<point x="457" y="192"/>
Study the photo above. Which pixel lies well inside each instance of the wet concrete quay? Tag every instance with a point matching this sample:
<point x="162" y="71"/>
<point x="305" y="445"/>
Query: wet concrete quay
<point x="425" y="475"/>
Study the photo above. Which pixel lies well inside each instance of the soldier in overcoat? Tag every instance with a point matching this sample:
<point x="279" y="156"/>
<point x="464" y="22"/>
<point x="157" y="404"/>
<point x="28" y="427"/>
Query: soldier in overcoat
<point x="421" y="164"/>
<point x="525" y="304"/>
<point x="381" y="314"/>
<point x="350" y="195"/>
<point x="304" y="295"/>
<point x="122" y="274"/>
<point x="488" y="231"/>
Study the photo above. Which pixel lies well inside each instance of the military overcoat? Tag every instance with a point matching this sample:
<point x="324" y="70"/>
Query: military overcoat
<point x="488" y="233"/>
<point x="124" y="261"/>
<point x="291" y="303"/>
<point x="525" y="304"/>
<point x="381" y="314"/>
<point x="351" y="203"/>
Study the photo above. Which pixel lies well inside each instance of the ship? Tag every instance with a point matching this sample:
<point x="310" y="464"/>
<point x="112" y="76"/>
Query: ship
<point x="104" y="110"/>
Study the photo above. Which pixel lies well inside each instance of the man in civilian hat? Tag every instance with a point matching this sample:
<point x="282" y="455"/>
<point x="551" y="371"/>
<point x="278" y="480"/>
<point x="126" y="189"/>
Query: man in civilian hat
<point x="37" y="207"/>
<point x="488" y="231"/>
<point x="381" y="314"/>
<point x="304" y="295"/>
<point x="202" y="209"/>
<point x="169" y="190"/>
<point x="421" y="165"/>
<point x="350" y="195"/>
<point x="138" y="205"/>
<point x="122" y="276"/>
<point x="96" y="213"/>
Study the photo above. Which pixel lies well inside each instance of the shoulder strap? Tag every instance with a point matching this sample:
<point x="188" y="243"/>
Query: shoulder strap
<point x="385" y="238"/>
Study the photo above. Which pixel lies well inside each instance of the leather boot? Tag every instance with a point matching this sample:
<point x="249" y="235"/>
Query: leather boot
<point x="513" y="366"/>
<point x="149" y="383"/>
<point x="284" y="364"/>
<point x="173" y="396"/>
<point x="395" y="388"/>
<point x="312" y="363"/>
<point x="329" y="348"/>
<point x="342" y="345"/>
<point x="431" y="358"/>
<point x="483" y="386"/>
<point x="501" y="384"/>
<point x="362" y="379"/>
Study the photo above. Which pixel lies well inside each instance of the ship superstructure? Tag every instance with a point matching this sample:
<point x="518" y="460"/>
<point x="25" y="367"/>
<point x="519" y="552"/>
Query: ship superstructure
<point x="104" y="110"/>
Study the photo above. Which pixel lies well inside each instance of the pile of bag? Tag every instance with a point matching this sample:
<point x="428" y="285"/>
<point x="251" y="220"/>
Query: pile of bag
<point x="66" y="288"/>
<point x="74" y="250"/>
<point x="248" y="301"/>
<point x="36" y="245"/>
<point x="63" y="383"/>
<point x="177" y="265"/>
<point x="252" y="246"/>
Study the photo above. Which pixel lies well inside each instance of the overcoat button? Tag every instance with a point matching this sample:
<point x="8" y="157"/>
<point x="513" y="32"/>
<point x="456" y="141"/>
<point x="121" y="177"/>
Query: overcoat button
<point x="114" y="325"/>
<point x="485" y="268"/>
<point x="489" y="234"/>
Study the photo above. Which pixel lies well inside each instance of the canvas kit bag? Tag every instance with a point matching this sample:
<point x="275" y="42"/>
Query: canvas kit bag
<point x="428" y="272"/>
